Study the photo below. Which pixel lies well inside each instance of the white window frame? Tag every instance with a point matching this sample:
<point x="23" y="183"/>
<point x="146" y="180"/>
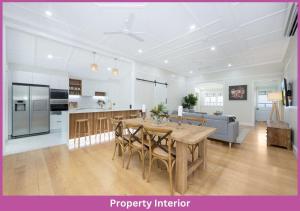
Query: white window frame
<point x="267" y="104"/>
<point x="213" y="98"/>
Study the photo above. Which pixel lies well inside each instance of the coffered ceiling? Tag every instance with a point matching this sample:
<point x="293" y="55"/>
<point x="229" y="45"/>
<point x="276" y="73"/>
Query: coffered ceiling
<point x="185" y="38"/>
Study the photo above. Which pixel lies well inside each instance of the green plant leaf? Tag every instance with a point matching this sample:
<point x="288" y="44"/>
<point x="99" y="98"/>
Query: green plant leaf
<point x="189" y="101"/>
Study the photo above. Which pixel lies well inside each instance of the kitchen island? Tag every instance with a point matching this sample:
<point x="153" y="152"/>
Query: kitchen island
<point x="93" y="114"/>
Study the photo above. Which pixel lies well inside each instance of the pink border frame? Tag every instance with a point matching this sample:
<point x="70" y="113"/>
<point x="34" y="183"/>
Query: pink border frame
<point x="76" y="203"/>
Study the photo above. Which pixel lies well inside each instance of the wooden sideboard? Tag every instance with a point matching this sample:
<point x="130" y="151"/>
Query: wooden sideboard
<point x="279" y="134"/>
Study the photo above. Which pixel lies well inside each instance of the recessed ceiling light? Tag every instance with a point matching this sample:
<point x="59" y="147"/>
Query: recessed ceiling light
<point x="166" y="61"/>
<point x="50" y="56"/>
<point x="140" y="51"/>
<point x="191" y="72"/>
<point x="48" y="13"/>
<point x="229" y="65"/>
<point x="192" y="27"/>
<point x="109" y="68"/>
<point x="212" y="48"/>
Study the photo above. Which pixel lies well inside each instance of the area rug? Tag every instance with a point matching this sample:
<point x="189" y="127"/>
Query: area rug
<point x="243" y="132"/>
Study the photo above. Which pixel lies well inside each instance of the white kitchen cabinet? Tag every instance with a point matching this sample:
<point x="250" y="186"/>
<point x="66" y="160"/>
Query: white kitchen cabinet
<point x="88" y="88"/>
<point x="65" y="123"/>
<point x="54" y="81"/>
<point x="59" y="82"/>
<point x="59" y="123"/>
<point x="41" y="78"/>
<point x="22" y="77"/>
<point x="56" y="122"/>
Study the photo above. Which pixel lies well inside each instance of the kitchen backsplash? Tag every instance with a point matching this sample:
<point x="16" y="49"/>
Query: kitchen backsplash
<point x="86" y="102"/>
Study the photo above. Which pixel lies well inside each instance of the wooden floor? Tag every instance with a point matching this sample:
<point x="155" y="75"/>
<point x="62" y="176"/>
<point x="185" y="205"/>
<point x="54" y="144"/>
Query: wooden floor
<point x="250" y="168"/>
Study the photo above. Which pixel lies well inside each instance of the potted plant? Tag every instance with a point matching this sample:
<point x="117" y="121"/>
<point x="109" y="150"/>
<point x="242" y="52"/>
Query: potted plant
<point x="159" y="112"/>
<point x="189" y="101"/>
<point x="101" y="103"/>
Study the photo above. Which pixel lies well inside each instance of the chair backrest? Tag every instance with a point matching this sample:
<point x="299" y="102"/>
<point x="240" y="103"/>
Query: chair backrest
<point x="117" y="126"/>
<point x="158" y="136"/>
<point x="202" y="121"/>
<point x="135" y="131"/>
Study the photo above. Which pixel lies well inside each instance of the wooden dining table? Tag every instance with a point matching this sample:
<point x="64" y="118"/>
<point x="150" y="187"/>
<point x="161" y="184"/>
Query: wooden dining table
<point x="184" y="135"/>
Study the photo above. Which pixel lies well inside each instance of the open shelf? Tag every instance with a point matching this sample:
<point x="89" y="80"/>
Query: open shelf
<point x="75" y="87"/>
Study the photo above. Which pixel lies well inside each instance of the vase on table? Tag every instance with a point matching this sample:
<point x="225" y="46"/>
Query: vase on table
<point x="157" y="120"/>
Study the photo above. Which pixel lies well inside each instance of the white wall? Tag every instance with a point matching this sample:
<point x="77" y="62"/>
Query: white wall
<point x="290" y="73"/>
<point x="243" y="110"/>
<point x="147" y="93"/>
<point x="127" y="90"/>
<point x="117" y="91"/>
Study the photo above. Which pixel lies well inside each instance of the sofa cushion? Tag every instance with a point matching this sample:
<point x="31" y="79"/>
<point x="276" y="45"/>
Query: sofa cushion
<point x="221" y="126"/>
<point x="227" y="127"/>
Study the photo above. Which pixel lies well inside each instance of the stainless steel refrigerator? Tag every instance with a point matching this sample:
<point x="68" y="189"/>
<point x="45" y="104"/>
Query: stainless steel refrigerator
<point x="30" y="112"/>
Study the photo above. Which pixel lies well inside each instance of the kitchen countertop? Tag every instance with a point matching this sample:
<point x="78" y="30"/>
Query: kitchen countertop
<point x="93" y="110"/>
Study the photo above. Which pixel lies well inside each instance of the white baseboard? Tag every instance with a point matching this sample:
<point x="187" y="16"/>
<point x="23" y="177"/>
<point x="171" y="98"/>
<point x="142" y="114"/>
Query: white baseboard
<point x="295" y="150"/>
<point x="246" y="124"/>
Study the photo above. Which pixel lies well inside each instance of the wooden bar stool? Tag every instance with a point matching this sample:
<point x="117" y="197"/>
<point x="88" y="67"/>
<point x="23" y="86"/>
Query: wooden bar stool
<point x="133" y="116"/>
<point x="102" y="126"/>
<point x="86" y="129"/>
<point x="118" y="117"/>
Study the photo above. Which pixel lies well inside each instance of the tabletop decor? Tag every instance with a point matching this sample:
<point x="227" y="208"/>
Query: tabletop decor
<point x="159" y="112"/>
<point x="189" y="101"/>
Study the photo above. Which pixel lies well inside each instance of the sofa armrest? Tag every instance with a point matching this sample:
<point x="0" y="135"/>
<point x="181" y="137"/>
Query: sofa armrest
<point x="233" y="131"/>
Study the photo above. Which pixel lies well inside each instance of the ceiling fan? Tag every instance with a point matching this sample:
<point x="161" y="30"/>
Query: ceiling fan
<point x="127" y="30"/>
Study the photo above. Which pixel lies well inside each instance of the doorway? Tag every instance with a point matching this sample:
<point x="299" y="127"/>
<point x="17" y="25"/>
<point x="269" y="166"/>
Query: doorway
<point x="263" y="107"/>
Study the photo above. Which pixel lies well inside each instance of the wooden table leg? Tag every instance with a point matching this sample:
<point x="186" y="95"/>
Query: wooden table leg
<point x="181" y="167"/>
<point x="204" y="153"/>
<point x="200" y="150"/>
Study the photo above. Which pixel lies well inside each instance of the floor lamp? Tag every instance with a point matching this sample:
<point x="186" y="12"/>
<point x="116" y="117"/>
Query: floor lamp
<point x="275" y="98"/>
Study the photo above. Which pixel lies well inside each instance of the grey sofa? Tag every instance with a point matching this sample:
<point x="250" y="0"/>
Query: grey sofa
<point x="227" y="126"/>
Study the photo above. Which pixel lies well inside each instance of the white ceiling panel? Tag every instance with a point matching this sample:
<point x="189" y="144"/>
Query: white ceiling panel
<point x="242" y="34"/>
<point x="249" y="12"/>
<point x="20" y="47"/>
<point x="57" y="52"/>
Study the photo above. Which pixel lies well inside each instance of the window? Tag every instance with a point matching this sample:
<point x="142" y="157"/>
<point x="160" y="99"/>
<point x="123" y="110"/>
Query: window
<point x="262" y="99"/>
<point x="213" y="99"/>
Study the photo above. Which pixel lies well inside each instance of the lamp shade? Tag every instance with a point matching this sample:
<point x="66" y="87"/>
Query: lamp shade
<point x="94" y="67"/>
<point x="115" y="71"/>
<point x="274" y="96"/>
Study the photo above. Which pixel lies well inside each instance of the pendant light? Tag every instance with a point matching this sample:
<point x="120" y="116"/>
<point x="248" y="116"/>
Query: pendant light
<point x="94" y="66"/>
<point x="115" y="70"/>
